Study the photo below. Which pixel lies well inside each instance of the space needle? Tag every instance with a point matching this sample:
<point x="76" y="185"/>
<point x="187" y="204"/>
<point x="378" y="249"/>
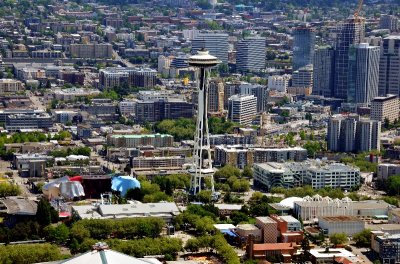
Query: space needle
<point x="202" y="163"/>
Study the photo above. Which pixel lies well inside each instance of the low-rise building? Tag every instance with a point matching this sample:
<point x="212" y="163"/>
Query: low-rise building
<point x="10" y="86"/>
<point x="241" y="156"/>
<point x="312" y="208"/>
<point x="269" y="229"/>
<point x="31" y="165"/>
<point x="245" y="230"/>
<point x="295" y="174"/>
<point x="385" y="170"/>
<point x="321" y="255"/>
<point x="132" y="141"/>
<point x="162" y="210"/>
<point x="28" y="121"/>
<point x="146" y="163"/>
<point x="341" y="224"/>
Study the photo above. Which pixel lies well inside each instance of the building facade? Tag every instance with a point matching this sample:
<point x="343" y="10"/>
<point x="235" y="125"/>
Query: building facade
<point x="303" y="47"/>
<point x="350" y="32"/>
<point x="215" y="43"/>
<point x="242" y="109"/>
<point x="389" y="66"/>
<point x="296" y="174"/>
<point x="385" y="107"/>
<point x="363" y="73"/>
<point x="250" y="56"/>
<point x="324" y="69"/>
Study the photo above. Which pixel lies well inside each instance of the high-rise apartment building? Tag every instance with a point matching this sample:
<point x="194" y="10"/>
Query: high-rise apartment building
<point x="368" y="135"/>
<point x="216" y="43"/>
<point x="303" y="46"/>
<point x="352" y="134"/>
<point x="216" y="96"/>
<point x="389" y="66"/>
<point x="324" y="69"/>
<point x="385" y="107"/>
<point x="259" y="91"/>
<point x="349" y="33"/>
<point x="242" y="109"/>
<point x="390" y="22"/>
<point x="250" y="56"/>
<point x="363" y="73"/>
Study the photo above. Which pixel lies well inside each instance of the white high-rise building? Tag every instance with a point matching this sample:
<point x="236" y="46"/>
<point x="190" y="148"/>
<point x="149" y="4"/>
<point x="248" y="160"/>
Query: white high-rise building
<point x="242" y="109"/>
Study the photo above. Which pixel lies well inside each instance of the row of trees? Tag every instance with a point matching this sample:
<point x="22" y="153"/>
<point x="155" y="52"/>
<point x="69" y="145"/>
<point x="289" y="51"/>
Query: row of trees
<point x="85" y="151"/>
<point x="17" y="254"/>
<point x="184" y="128"/>
<point x="309" y="191"/>
<point x="128" y="228"/>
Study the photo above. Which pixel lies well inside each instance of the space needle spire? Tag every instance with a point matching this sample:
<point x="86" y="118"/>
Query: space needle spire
<point x="202" y="163"/>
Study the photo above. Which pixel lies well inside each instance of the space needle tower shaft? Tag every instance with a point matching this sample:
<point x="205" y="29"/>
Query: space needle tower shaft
<point x="202" y="163"/>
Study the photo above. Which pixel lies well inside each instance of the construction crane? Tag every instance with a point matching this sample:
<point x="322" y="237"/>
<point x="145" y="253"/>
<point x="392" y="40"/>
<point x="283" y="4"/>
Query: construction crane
<point x="358" y="10"/>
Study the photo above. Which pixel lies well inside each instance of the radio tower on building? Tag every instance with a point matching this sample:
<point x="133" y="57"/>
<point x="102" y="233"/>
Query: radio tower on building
<point x="202" y="163"/>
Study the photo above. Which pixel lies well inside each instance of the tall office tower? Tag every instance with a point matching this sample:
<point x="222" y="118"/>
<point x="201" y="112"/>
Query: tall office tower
<point x="368" y="135"/>
<point x="349" y="33"/>
<point x="216" y="96"/>
<point x="334" y="128"/>
<point x="242" y="109"/>
<point x="389" y="66"/>
<point x="259" y="91"/>
<point x="250" y="56"/>
<point x="363" y="73"/>
<point x="303" y="46"/>
<point x="389" y="22"/>
<point x="216" y="43"/>
<point x="324" y="69"/>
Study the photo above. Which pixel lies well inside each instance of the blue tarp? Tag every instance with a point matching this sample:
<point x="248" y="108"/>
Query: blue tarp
<point x="124" y="183"/>
<point x="228" y="232"/>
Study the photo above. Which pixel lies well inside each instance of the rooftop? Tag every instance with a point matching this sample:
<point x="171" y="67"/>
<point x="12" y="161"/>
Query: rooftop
<point x="341" y="218"/>
<point x="273" y="246"/>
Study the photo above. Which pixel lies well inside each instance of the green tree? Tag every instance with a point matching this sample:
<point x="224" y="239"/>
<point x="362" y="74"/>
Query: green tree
<point x="338" y="238"/>
<point x="363" y="238"/>
<point x="247" y="172"/>
<point x="58" y="234"/>
<point x="239" y="217"/>
<point x="43" y="214"/>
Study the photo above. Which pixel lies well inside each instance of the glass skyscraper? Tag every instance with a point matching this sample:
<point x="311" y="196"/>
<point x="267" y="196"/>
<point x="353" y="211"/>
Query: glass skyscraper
<point x="349" y="33"/>
<point x="303" y="46"/>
